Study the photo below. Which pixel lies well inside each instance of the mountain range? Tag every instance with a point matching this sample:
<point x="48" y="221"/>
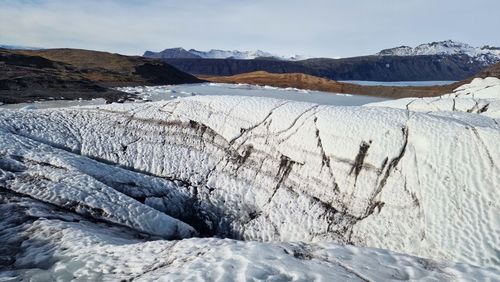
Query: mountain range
<point x="487" y="54"/>
<point x="181" y="53"/>
<point x="446" y="60"/>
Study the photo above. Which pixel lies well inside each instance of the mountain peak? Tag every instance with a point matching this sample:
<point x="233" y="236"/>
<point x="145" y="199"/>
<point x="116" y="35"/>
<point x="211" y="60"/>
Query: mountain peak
<point x="180" y="52"/>
<point x="171" y="53"/>
<point x="486" y="54"/>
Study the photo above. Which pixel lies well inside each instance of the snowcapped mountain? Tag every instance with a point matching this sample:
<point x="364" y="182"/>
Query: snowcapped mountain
<point x="179" y="52"/>
<point x="488" y="55"/>
<point x="172" y="53"/>
<point x="222" y="54"/>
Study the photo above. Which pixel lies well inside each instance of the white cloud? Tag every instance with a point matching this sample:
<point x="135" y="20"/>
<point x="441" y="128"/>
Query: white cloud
<point x="319" y="27"/>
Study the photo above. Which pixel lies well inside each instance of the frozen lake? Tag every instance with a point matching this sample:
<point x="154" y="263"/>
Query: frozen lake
<point x="156" y="93"/>
<point x="169" y="92"/>
<point x="399" y="83"/>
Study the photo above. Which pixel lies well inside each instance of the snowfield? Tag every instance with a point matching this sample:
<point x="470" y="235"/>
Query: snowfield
<point x="106" y="192"/>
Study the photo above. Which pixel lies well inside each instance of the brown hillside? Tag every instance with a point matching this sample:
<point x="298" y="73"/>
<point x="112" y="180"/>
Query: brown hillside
<point x="114" y="69"/>
<point x="304" y="81"/>
<point x="27" y="76"/>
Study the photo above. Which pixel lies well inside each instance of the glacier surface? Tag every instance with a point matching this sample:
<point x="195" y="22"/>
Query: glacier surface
<point x="50" y="244"/>
<point x="108" y="191"/>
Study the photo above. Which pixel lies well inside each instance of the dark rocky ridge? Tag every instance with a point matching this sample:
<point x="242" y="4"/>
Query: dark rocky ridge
<point x="376" y="68"/>
<point x="29" y="75"/>
<point x="171" y="53"/>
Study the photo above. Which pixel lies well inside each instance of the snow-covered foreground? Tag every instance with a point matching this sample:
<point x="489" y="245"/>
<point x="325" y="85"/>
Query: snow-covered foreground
<point x="85" y="190"/>
<point x="51" y="244"/>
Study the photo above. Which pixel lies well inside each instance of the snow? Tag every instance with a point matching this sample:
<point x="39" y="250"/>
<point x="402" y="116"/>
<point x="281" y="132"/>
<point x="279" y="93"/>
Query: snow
<point x="269" y="171"/>
<point x="61" y="246"/>
<point x="220" y="54"/>
<point x="54" y="176"/>
<point x="241" y="55"/>
<point x="489" y="55"/>
<point x="224" y="54"/>
<point x="481" y="96"/>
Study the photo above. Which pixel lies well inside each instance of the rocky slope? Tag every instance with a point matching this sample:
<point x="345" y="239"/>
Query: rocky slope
<point x="493" y="71"/>
<point x="171" y="53"/>
<point x="309" y="82"/>
<point x="115" y="69"/>
<point x="27" y="75"/>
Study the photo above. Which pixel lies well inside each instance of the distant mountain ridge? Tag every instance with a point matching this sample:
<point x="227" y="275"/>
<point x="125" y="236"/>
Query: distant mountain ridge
<point x="445" y="60"/>
<point x="18" y="47"/>
<point x="487" y="54"/>
<point x="181" y="53"/>
<point x="374" y="68"/>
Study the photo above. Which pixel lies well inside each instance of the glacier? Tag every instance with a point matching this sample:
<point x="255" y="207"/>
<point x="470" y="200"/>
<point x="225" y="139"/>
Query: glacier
<point x="480" y="96"/>
<point x="286" y="190"/>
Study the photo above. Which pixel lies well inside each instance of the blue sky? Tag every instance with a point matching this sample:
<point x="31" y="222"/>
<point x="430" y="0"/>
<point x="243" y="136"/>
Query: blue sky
<point x="329" y="28"/>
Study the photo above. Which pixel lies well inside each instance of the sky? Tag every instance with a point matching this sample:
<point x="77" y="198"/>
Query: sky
<point x="314" y="28"/>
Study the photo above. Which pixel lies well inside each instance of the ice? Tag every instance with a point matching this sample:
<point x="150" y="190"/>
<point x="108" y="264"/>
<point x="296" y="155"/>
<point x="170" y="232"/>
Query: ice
<point x="423" y="183"/>
<point x="481" y="96"/>
<point x="57" y="246"/>
<point x="157" y="93"/>
<point x="58" y="177"/>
